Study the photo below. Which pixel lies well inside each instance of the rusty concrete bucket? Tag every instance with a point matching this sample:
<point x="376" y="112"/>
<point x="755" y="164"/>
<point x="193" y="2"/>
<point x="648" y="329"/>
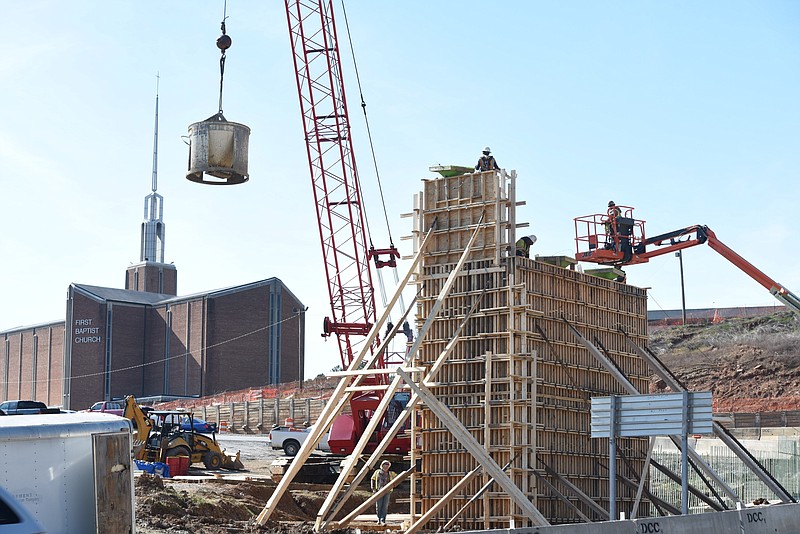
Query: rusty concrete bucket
<point x="218" y="152"/>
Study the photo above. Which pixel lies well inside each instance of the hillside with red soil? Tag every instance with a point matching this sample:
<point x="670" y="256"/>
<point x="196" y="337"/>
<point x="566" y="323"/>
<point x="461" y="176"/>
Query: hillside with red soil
<point x="749" y="364"/>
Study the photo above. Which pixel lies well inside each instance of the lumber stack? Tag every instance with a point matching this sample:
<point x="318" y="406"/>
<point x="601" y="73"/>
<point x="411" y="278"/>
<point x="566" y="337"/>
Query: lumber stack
<point x="517" y="379"/>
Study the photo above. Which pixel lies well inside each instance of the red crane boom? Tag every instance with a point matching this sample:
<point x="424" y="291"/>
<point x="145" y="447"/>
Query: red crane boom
<point x="337" y="195"/>
<point x="340" y="214"/>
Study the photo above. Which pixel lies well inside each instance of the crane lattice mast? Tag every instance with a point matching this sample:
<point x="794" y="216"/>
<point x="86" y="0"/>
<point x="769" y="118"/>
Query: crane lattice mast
<point x="337" y="196"/>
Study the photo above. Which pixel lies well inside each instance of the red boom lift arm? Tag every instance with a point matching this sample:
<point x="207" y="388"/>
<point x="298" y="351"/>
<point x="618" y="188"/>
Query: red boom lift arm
<point x="627" y="245"/>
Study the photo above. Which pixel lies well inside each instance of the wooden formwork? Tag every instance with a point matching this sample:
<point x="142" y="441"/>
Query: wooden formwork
<point x="518" y="379"/>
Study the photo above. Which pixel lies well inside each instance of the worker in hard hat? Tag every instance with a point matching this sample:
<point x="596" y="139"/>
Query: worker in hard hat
<point x="611" y="224"/>
<point x="487" y="162"/>
<point x="524" y="245"/>
<point x="380" y="478"/>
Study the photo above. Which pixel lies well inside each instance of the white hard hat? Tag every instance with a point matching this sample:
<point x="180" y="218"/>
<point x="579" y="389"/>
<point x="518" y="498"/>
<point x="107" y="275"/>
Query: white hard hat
<point x="487" y="149"/>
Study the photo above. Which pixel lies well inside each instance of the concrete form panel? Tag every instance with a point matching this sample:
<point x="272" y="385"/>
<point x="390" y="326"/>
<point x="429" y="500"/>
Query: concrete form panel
<point x="517" y="379"/>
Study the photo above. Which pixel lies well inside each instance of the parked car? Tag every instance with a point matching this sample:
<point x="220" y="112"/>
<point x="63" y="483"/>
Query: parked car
<point x="115" y="407"/>
<point x="15" y="518"/>
<point x="25" y="407"/>
<point x="290" y="438"/>
<point x="199" y="425"/>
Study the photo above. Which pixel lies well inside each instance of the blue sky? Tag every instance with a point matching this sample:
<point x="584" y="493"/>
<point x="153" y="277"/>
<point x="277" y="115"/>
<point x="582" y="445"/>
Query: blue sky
<point x="687" y="111"/>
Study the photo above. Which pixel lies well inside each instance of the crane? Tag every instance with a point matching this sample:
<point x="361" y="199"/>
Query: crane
<point x="617" y="238"/>
<point x="343" y="232"/>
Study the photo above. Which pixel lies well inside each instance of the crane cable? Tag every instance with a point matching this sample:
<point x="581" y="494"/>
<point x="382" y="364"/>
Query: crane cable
<point x="223" y="43"/>
<point x="369" y="133"/>
<point x="381" y="285"/>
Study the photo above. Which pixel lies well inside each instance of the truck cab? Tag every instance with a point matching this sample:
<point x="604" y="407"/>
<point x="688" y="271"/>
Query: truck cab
<point x="114" y="407"/>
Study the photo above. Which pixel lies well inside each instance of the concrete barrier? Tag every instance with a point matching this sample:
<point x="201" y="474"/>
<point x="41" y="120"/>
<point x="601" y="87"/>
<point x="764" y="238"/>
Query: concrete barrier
<point x="782" y="518"/>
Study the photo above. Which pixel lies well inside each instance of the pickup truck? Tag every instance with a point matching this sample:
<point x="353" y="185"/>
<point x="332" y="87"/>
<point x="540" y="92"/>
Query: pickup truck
<point x="113" y="407"/>
<point x="290" y="438"/>
<point x="26" y="407"/>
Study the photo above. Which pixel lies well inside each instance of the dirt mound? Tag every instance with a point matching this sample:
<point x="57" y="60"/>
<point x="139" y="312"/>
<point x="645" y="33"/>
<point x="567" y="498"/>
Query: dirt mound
<point x="220" y="506"/>
<point x="738" y="360"/>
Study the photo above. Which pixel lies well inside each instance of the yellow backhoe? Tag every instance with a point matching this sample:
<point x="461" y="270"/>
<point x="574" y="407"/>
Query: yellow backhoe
<point x="159" y="435"/>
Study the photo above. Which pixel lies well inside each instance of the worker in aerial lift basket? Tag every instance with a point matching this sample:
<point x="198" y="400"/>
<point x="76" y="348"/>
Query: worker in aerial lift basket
<point x="611" y="224"/>
<point x="380" y="478"/>
<point x="487" y="162"/>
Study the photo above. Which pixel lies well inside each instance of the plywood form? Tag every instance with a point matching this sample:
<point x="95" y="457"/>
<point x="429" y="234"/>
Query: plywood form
<point x="517" y="379"/>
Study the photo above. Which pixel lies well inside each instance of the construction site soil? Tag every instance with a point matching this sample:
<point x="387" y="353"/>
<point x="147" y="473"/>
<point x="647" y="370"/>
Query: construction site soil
<point x="224" y="506"/>
<point x="750" y="365"/>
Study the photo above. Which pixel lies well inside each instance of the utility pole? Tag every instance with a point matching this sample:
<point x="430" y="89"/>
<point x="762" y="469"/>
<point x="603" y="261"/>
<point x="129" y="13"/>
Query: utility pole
<point x="299" y="312"/>
<point x="679" y="254"/>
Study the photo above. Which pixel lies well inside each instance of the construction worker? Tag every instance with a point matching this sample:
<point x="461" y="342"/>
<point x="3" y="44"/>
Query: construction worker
<point x="524" y="245"/>
<point x="380" y="478"/>
<point x="611" y="224"/>
<point x="487" y="162"/>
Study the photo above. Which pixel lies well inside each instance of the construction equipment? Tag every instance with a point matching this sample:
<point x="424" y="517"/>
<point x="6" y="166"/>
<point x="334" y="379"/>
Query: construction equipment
<point x="347" y="250"/>
<point x="616" y="238"/>
<point x="159" y="435"/>
<point x="340" y="210"/>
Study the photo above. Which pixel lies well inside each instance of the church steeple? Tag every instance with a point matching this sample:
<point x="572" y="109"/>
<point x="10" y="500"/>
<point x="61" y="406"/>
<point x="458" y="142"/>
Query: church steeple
<point x="153" y="227"/>
<point x="151" y="274"/>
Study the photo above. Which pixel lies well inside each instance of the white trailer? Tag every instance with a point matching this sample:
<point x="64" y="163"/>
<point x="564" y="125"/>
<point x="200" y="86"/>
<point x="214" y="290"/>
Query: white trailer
<point x="71" y="471"/>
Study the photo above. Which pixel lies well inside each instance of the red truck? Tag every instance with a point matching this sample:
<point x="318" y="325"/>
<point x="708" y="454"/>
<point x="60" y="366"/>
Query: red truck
<point x="114" y="407"/>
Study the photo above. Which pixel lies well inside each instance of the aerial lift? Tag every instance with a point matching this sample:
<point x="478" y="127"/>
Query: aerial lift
<point x="616" y="238"/>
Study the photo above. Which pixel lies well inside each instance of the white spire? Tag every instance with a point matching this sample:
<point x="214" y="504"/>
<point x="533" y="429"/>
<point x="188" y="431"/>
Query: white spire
<point x="153" y="226"/>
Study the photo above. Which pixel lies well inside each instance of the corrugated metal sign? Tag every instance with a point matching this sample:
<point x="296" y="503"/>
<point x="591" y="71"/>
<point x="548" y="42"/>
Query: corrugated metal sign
<point x="651" y="415"/>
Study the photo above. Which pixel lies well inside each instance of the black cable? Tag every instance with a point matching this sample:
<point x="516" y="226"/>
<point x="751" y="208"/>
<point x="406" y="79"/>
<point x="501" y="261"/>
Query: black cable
<point x="369" y="133"/>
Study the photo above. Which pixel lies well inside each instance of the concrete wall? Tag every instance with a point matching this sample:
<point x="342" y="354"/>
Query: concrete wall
<point x="784" y="519"/>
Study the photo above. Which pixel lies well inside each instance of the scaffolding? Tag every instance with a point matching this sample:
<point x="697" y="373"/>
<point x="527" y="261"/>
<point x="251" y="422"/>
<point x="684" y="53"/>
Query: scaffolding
<point x="516" y="378"/>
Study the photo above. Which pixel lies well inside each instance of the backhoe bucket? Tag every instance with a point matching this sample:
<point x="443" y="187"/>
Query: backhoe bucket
<point x="232" y="462"/>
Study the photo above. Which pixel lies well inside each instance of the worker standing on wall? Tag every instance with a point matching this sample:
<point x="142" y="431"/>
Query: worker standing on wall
<point x="380" y="478"/>
<point x="524" y="245"/>
<point x="487" y="162"/>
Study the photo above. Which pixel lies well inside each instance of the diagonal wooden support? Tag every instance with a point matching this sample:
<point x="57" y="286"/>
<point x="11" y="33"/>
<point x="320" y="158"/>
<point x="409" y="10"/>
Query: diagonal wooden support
<point x="575" y="489"/>
<point x="631" y="389"/>
<point x="334" y="405"/>
<point x="643" y="478"/>
<point x="474" y="498"/>
<point x="561" y="496"/>
<point x="405" y="413"/>
<point x="325" y="509"/>
<point x="476" y="450"/>
<point x="455" y="490"/>
<point x="744" y="455"/>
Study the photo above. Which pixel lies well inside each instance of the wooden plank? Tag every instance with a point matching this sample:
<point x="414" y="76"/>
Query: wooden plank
<point x="113" y="482"/>
<point x="475" y="448"/>
<point x="433" y="510"/>
<point x="336" y="400"/>
<point x="394" y="386"/>
<point x="401" y="418"/>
